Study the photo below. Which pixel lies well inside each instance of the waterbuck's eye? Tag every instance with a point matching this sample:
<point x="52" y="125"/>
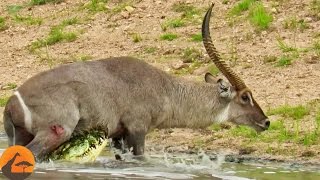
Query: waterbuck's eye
<point x="245" y="98"/>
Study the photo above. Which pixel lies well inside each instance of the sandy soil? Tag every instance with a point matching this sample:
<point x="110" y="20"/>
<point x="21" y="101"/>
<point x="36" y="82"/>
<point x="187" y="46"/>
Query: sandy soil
<point x="102" y="35"/>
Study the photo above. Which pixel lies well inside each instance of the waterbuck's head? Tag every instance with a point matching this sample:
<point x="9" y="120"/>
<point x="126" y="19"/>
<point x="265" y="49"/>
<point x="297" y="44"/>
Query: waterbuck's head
<point x="243" y="109"/>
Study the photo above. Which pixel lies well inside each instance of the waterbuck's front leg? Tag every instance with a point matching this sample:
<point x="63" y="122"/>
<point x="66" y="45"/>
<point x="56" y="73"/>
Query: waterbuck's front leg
<point x="135" y="140"/>
<point x="136" y="124"/>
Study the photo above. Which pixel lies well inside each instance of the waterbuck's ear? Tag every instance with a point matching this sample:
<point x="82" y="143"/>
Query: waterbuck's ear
<point x="225" y="89"/>
<point x="210" y="79"/>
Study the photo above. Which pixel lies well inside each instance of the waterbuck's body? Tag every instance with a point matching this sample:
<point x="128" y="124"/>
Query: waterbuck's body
<point x="126" y="97"/>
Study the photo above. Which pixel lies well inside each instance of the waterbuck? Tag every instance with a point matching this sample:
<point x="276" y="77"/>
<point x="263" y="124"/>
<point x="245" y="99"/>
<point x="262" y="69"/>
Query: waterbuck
<point x="126" y="97"/>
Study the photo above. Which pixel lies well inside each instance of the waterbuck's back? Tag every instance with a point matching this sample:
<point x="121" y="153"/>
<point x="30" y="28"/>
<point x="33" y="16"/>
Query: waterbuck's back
<point x="102" y="91"/>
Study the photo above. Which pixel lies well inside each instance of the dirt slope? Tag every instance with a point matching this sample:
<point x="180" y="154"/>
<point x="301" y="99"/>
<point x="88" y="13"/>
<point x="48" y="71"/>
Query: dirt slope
<point x="111" y="33"/>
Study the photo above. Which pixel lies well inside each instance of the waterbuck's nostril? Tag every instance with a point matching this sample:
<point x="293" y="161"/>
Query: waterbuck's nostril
<point x="267" y="124"/>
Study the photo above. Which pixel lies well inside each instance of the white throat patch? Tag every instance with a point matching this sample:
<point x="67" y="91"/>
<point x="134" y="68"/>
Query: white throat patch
<point x="26" y="112"/>
<point x="223" y="115"/>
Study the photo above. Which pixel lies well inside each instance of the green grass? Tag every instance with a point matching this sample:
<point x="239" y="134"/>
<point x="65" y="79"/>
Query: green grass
<point x="136" y="37"/>
<point x="13" y="9"/>
<point x="294" y="24"/>
<point x="215" y="127"/>
<point x="3" y="101"/>
<point x="83" y="57"/>
<point x="285" y="47"/>
<point x="10" y="86"/>
<point x="269" y="59"/>
<point x="315" y="8"/>
<point x="122" y="6"/>
<point x="191" y="55"/>
<point x="95" y="6"/>
<point x="70" y="21"/>
<point x="213" y="70"/>
<point x="244" y="131"/>
<point x="42" y="2"/>
<point x="190" y="69"/>
<point x="3" y="25"/>
<point x="241" y="7"/>
<point x="196" y="37"/>
<point x="310" y="139"/>
<point x="290" y="53"/>
<point x="317" y="119"/>
<point x="28" y="20"/>
<point x="290" y="128"/>
<point x="168" y="36"/>
<point x="295" y="112"/>
<point x="189" y="14"/>
<point x="284" y="61"/>
<point x="150" y="50"/>
<point x="259" y="16"/>
<point x="56" y="35"/>
<point x="188" y="11"/>
<point x="172" y="23"/>
<point x="277" y="131"/>
<point x="225" y="1"/>
<point x="276" y="125"/>
<point x="316" y="47"/>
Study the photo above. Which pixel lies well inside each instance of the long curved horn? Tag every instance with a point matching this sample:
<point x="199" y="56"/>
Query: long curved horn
<point x="233" y="78"/>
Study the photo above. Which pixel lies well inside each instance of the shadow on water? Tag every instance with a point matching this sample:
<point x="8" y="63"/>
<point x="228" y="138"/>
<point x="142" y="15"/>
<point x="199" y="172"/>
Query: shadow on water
<point x="167" y="166"/>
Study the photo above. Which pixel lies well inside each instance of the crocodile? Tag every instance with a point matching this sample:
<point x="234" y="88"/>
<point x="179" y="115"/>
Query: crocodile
<point x="82" y="147"/>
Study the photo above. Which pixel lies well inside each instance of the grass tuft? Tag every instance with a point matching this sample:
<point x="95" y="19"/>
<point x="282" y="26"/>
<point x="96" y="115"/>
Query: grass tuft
<point x="42" y="2"/>
<point x="190" y="55"/>
<point x="244" y="131"/>
<point x="241" y="7"/>
<point x="295" y="24"/>
<point x="13" y="9"/>
<point x="3" y="25"/>
<point x="317" y="119"/>
<point x="56" y="35"/>
<point x="136" y="37"/>
<point x="173" y="23"/>
<point x="213" y="70"/>
<point x="285" y="47"/>
<point x="315" y="8"/>
<point x="188" y="11"/>
<point x="83" y="57"/>
<point x="168" y="36"/>
<point x="316" y="47"/>
<point x="3" y="101"/>
<point x="95" y="6"/>
<point x="259" y="16"/>
<point x="150" y="50"/>
<point x="70" y="21"/>
<point x="295" y="112"/>
<point x="196" y="37"/>
<point x="284" y="61"/>
<point x="28" y="20"/>
<point x="10" y="86"/>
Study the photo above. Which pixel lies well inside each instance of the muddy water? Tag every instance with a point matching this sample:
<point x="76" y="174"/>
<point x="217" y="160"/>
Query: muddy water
<point x="167" y="166"/>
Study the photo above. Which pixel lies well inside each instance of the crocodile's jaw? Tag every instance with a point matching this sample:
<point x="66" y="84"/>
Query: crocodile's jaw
<point x="92" y="155"/>
<point x="81" y="148"/>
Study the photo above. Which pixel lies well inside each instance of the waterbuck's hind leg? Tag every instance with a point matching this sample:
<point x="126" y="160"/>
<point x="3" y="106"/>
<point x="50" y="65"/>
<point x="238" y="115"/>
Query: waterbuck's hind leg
<point x="46" y="141"/>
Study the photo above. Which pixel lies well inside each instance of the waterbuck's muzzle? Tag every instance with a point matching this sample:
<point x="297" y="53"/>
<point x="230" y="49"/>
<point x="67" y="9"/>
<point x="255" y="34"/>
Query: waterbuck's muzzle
<point x="264" y="126"/>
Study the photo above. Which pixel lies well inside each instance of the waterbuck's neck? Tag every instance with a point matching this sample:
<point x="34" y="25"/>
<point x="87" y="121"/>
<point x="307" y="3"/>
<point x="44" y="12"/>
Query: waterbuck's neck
<point x="196" y="105"/>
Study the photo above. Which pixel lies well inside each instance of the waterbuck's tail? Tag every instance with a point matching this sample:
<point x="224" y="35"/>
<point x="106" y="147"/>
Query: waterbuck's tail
<point x="9" y="128"/>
